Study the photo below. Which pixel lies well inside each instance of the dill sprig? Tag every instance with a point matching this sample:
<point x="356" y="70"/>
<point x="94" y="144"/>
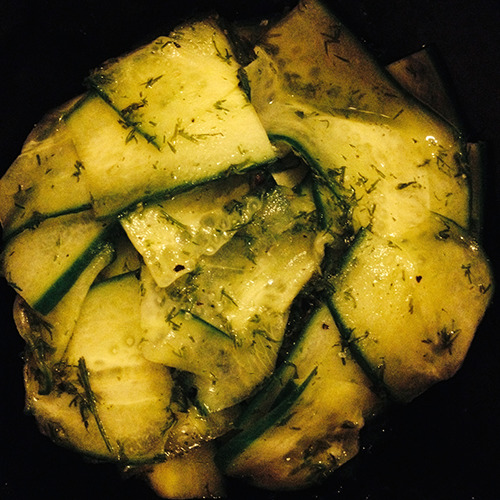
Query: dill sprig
<point x="84" y="397"/>
<point x="87" y="402"/>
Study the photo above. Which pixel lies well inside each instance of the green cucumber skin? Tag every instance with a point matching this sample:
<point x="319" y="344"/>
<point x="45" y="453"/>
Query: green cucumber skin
<point x="10" y="231"/>
<point x="58" y="289"/>
<point x="371" y="371"/>
<point x="99" y="91"/>
<point x="158" y="196"/>
<point x="228" y="452"/>
<point x="33" y="222"/>
<point x="406" y="375"/>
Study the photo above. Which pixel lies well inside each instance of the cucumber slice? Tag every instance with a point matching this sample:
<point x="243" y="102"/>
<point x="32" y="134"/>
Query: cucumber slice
<point x="47" y="336"/>
<point x="238" y="305"/>
<point x="389" y="157"/>
<point x="176" y="117"/>
<point x="168" y="479"/>
<point x="221" y="370"/>
<point x="109" y="402"/>
<point x="312" y="424"/>
<point x="174" y="234"/>
<point x="43" y="263"/>
<point x="163" y="80"/>
<point x="422" y="74"/>
<point x="230" y="450"/>
<point x="240" y="281"/>
<point x="400" y="302"/>
<point x="46" y="178"/>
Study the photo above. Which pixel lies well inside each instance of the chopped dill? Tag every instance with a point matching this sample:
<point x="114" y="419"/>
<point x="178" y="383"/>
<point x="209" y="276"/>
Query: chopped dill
<point x="226" y="56"/>
<point x="445" y="340"/>
<point x="78" y="170"/>
<point x="224" y="294"/>
<point x="170" y="316"/>
<point x="151" y="81"/>
<point x="87" y="402"/>
<point x="467" y="271"/>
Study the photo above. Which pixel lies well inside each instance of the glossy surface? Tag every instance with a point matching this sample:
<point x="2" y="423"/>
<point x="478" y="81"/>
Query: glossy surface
<point x="446" y="443"/>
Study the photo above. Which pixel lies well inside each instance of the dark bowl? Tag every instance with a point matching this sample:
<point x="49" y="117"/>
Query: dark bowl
<point x="446" y="444"/>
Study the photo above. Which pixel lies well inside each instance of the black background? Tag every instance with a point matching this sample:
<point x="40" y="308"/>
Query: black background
<point x="445" y="445"/>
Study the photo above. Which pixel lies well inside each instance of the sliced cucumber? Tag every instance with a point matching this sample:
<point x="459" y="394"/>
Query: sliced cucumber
<point x="298" y="242"/>
<point x="423" y="76"/>
<point x="168" y="479"/>
<point x="43" y="263"/>
<point x="240" y="280"/>
<point x="173" y="234"/>
<point x="238" y="305"/>
<point x="312" y="435"/>
<point x="46" y="178"/>
<point x="176" y="117"/>
<point x="162" y="80"/>
<point x="389" y="157"/>
<point x="47" y="336"/>
<point x="400" y="302"/>
<point x="219" y="368"/>
<point x="109" y="401"/>
<point x="220" y="371"/>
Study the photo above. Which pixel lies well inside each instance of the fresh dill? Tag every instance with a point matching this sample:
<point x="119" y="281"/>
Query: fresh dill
<point x="78" y="170"/>
<point x="225" y="55"/>
<point x="151" y="81"/>
<point x="89" y="401"/>
<point x="444" y="340"/>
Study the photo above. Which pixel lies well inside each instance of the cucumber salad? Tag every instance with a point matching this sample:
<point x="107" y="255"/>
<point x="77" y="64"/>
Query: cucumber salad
<point x="237" y="247"/>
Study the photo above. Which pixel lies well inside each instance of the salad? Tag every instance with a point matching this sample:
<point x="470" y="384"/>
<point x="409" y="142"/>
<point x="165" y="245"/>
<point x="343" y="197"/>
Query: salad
<point x="227" y="260"/>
